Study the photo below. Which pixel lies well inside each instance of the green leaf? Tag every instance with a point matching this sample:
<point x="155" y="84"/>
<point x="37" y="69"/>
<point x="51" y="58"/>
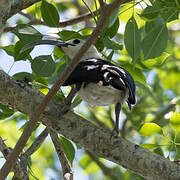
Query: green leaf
<point x="23" y="76"/>
<point x="89" y="166"/>
<point x="59" y="96"/>
<point x="58" y="53"/>
<point x="155" y="42"/>
<point x="112" y="31"/>
<point x="85" y="161"/>
<point x="43" y="66"/>
<point x="99" y="44"/>
<point x="17" y="52"/>
<point x="113" y="17"/>
<point x="149" y="146"/>
<point x="49" y="14"/>
<point x="132" y="39"/>
<point x="159" y="151"/>
<point x="5" y="112"/>
<point x="62" y="64"/>
<point x="76" y="101"/>
<point x="170" y="14"/>
<point x="150" y="128"/>
<point x="41" y="80"/>
<point x="150" y="63"/>
<point x="169" y="10"/>
<point x="150" y="25"/>
<point x="136" y="73"/>
<point x="109" y="57"/>
<point x="9" y="49"/>
<point x="27" y="33"/>
<point x="67" y="35"/>
<point x="175" y="121"/>
<point x="149" y="13"/>
<point x="68" y="148"/>
<point x="110" y="44"/>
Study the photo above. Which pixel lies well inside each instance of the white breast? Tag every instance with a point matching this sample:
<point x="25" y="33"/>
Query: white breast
<point x="97" y="95"/>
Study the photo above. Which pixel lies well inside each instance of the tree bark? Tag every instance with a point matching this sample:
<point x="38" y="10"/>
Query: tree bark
<point x="25" y="98"/>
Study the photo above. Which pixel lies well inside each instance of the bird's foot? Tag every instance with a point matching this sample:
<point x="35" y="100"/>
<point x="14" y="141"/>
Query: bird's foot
<point x="100" y="83"/>
<point x="114" y="133"/>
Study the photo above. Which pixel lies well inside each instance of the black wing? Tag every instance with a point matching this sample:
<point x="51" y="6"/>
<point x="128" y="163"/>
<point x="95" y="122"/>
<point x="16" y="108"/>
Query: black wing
<point x="121" y="79"/>
<point x="86" y="71"/>
<point x="96" y="70"/>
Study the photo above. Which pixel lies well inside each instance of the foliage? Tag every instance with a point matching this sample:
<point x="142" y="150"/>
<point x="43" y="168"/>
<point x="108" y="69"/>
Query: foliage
<point x="148" y="47"/>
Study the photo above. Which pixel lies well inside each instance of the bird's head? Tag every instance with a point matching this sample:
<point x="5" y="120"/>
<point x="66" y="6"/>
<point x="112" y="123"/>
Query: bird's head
<point x="71" y="47"/>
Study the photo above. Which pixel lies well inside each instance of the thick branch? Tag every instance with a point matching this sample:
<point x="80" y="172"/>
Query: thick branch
<point x="97" y="140"/>
<point x="41" y="107"/>
<point x="5" y="6"/>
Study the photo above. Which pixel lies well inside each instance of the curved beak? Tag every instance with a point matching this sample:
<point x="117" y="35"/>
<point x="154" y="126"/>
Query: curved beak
<point x="44" y="42"/>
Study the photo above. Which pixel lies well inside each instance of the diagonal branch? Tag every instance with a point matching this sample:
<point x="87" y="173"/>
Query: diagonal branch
<point x="41" y="107"/>
<point x="37" y="143"/>
<point x="66" y="166"/>
<point x="87" y="135"/>
<point x="34" y="21"/>
<point x="18" y="169"/>
<point x="18" y="5"/>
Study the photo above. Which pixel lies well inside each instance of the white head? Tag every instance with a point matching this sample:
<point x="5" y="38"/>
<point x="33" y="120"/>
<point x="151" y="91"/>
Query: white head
<point x="72" y="47"/>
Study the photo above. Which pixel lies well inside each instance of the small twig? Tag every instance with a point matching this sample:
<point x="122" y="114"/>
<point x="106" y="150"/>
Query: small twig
<point x="27" y="16"/>
<point x="97" y="121"/>
<point x="19" y="172"/>
<point x="85" y="3"/>
<point x="102" y="4"/>
<point x="66" y="166"/>
<point x="36" y="144"/>
<point x="106" y="171"/>
<point x="19" y="5"/>
<point x="70" y="22"/>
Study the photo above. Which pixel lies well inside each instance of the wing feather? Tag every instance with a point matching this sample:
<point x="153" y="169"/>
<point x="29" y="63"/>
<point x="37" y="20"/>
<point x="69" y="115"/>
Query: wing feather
<point x="94" y="70"/>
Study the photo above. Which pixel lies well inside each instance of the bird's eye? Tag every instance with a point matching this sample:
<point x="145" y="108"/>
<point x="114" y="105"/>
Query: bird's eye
<point x="76" y="41"/>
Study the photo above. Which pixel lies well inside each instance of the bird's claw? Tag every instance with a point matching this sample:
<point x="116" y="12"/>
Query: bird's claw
<point x="114" y="133"/>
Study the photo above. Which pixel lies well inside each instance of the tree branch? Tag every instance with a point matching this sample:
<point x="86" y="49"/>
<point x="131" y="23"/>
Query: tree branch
<point x="41" y="107"/>
<point x="102" y="4"/>
<point x="34" y="21"/>
<point x="18" y="5"/>
<point x="5" y="6"/>
<point x="37" y="143"/>
<point x="66" y="166"/>
<point x="18" y="169"/>
<point x="87" y="135"/>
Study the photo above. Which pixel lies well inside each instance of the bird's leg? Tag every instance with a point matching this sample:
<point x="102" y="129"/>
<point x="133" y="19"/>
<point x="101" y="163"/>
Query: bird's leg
<point x="66" y="104"/>
<point x="115" y="131"/>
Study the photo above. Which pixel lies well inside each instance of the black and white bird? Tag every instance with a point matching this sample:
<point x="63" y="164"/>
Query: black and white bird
<point x="99" y="82"/>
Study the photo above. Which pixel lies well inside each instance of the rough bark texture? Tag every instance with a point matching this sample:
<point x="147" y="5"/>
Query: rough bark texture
<point x="25" y="98"/>
<point x="5" y="6"/>
<point x="10" y="7"/>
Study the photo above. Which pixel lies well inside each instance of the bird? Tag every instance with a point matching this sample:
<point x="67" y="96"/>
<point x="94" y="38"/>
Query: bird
<point x="97" y="81"/>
